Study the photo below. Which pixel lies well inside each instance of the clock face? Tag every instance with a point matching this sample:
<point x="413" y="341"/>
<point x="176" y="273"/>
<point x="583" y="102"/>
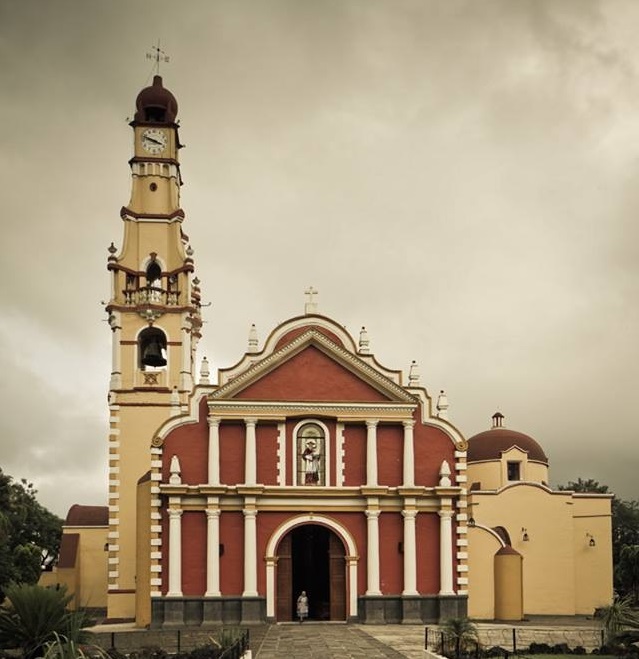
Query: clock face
<point x="154" y="140"/>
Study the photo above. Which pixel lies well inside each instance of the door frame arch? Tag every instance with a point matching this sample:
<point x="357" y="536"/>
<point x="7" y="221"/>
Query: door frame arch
<point x="343" y="534"/>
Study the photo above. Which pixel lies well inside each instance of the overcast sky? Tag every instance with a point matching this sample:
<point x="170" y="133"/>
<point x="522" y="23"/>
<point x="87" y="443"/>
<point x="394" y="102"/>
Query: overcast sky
<point x="462" y="177"/>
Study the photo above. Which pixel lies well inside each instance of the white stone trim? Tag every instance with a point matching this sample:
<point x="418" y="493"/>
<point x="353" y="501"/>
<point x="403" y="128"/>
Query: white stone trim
<point x="339" y="454"/>
<point x="281" y="454"/>
<point x="156" y="464"/>
<point x="351" y="558"/>
<point x="156" y="542"/>
<point x="114" y="431"/>
<point x="156" y="476"/>
<point x="327" y="449"/>
<point x="462" y="542"/>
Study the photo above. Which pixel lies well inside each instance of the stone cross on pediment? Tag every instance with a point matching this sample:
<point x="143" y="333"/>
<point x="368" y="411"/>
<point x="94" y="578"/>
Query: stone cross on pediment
<point x="310" y="306"/>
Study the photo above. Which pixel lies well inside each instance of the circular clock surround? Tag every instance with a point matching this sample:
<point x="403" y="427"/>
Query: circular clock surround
<point x="154" y="140"/>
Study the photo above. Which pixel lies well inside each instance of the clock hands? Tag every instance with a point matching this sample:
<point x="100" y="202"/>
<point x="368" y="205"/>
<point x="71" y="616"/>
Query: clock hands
<point x="151" y="139"/>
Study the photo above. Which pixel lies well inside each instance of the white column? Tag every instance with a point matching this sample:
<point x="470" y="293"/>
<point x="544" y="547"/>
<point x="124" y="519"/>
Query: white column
<point x="446" y="552"/>
<point x="270" y="586"/>
<point x="410" y="553"/>
<point x="409" y="454"/>
<point x="214" y="451"/>
<point x="250" y="554"/>
<point x="175" y="553"/>
<point x="212" y="553"/>
<point x="250" y="462"/>
<point x="373" y="553"/>
<point x="371" y="452"/>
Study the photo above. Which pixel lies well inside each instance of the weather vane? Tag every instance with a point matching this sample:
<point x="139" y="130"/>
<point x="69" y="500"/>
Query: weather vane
<point x="158" y="55"/>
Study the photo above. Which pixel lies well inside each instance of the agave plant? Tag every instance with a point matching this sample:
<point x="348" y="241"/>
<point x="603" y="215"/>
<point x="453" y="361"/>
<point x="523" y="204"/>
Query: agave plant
<point x="461" y="634"/>
<point x="63" y="648"/>
<point x="619" y="617"/>
<point x="33" y="616"/>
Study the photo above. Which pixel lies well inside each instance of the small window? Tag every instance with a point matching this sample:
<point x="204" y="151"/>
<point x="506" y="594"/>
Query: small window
<point x="514" y="471"/>
<point x="310" y="455"/>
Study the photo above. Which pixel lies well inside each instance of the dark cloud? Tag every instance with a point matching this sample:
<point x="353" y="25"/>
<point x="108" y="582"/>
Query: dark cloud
<point x="460" y="177"/>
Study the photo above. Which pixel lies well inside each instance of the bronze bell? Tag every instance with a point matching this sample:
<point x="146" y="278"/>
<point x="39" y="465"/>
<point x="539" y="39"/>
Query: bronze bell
<point x="152" y="355"/>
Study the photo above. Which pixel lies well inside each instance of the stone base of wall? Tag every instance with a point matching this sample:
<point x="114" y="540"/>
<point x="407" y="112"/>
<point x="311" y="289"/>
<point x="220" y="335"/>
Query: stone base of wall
<point x="179" y="612"/>
<point x="413" y="610"/>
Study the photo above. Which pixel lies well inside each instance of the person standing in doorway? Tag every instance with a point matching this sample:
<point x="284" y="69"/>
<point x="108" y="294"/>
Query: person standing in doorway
<point x="302" y="606"/>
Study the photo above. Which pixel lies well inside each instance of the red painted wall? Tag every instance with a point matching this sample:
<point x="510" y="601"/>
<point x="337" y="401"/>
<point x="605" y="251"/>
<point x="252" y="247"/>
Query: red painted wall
<point x="193" y="553"/>
<point x="267" y="459"/>
<point x="391" y="562"/>
<point x="311" y="376"/>
<point x="354" y="455"/>
<point x="432" y="446"/>
<point x="232" y="452"/>
<point x="191" y="444"/>
<point x="232" y="561"/>
<point x="293" y="334"/>
<point x="427" y="532"/>
<point x="390" y="451"/>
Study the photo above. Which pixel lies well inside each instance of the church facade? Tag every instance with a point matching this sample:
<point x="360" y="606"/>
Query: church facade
<point x="306" y="466"/>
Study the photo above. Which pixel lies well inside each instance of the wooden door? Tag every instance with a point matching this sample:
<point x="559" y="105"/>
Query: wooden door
<point x="284" y="568"/>
<point x="337" y="577"/>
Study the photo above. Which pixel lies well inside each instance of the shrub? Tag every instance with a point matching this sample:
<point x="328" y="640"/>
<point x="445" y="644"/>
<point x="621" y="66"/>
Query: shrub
<point x="33" y="616"/>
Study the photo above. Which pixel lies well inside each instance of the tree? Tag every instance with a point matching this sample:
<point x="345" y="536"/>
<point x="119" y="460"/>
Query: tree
<point x="29" y="533"/>
<point x="584" y="485"/>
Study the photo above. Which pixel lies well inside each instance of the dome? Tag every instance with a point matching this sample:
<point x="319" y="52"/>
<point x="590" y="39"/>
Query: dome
<point x="490" y="444"/>
<point x="155" y="104"/>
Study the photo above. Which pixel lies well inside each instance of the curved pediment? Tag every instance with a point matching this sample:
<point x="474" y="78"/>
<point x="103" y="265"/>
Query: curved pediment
<point x="312" y="367"/>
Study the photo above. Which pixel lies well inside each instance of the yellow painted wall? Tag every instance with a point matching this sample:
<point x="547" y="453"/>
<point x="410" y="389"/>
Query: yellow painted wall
<point x="560" y="577"/>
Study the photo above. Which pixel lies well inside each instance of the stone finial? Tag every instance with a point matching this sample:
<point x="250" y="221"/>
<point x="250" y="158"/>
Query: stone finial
<point x="190" y="251"/>
<point x="112" y="249"/>
<point x="414" y="375"/>
<point x="442" y="405"/>
<point x="444" y="475"/>
<point x="205" y="371"/>
<point x="364" y="342"/>
<point x="175" y="478"/>
<point x="311" y="306"/>
<point x="252" y="339"/>
<point x="175" y="403"/>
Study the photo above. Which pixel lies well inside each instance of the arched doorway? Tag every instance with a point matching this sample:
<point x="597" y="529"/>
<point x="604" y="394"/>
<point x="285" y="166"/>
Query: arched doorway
<point x="311" y="557"/>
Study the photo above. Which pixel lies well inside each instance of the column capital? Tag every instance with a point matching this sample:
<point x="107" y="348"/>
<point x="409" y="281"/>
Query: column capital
<point x="213" y="421"/>
<point x="445" y="514"/>
<point x="250" y="421"/>
<point x="212" y="513"/>
<point x="372" y="514"/>
<point x="175" y="513"/>
<point x="408" y="423"/>
<point x="409" y="514"/>
<point x="372" y="423"/>
<point x="249" y="513"/>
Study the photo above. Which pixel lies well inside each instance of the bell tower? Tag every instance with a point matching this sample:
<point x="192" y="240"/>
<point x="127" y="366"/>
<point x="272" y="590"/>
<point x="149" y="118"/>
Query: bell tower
<point x="154" y="315"/>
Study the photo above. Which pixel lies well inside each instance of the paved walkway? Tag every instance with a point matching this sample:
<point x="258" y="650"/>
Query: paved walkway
<point x="312" y="640"/>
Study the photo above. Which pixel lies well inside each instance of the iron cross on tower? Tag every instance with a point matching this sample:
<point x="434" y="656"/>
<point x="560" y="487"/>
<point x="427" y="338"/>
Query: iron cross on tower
<point x="159" y="56"/>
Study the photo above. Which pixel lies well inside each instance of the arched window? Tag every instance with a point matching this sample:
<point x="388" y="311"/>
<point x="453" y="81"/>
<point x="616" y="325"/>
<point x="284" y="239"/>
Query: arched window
<point x="311" y="454"/>
<point x="151" y="349"/>
<point x="154" y="275"/>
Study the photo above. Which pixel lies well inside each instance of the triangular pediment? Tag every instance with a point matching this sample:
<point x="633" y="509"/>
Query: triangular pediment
<point x="313" y="368"/>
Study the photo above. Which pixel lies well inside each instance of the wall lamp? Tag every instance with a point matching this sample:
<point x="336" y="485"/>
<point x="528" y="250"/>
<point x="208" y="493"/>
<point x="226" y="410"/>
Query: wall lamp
<point x="524" y="534"/>
<point x="591" y="541"/>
